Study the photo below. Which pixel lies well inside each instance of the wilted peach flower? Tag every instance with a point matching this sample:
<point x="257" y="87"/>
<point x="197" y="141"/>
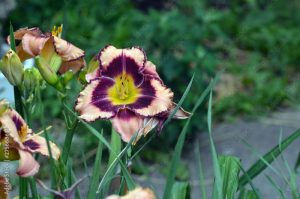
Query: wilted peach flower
<point x="127" y="90"/>
<point x="138" y="193"/>
<point x="18" y="142"/>
<point x="33" y="43"/>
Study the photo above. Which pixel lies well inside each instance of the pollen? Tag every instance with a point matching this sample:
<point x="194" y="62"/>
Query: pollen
<point x="56" y="31"/>
<point x="23" y="132"/>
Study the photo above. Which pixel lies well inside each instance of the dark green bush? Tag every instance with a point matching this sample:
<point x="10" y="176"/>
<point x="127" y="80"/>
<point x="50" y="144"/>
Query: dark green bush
<point x="186" y="37"/>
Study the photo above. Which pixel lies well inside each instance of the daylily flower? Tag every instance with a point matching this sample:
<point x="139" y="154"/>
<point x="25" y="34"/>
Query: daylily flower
<point x="33" y="42"/>
<point x="127" y="90"/>
<point x="138" y="193"/>
<point x="53" y="54"/>
<point x="17" y="141"/>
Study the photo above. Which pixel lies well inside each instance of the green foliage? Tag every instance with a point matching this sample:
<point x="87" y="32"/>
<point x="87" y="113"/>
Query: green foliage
<point x="181" y="190"/>
<point x="247" y="194"/>
<point x="187" y="37"/>
<point x="230" y="169"/>
<point x="269" y="157"/>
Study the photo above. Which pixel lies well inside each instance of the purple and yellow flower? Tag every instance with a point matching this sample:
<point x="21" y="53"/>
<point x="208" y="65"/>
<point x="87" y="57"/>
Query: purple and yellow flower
<point x="127" y="90"/>
<point x="33" y="42"/>
<point x="138" y="193"/>
<point x="18" y="142"/>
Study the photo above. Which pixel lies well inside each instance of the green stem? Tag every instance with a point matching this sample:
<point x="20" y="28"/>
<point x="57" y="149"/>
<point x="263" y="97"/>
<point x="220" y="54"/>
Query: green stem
<point x="68" y="140"/>
<point x="34" y="192"/>
<point x="18" y="101"/>
<point x="19" y="109"/>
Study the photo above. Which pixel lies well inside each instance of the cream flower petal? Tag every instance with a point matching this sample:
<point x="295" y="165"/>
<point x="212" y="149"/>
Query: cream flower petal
<point x="138" y="193"/>
<point x="127" y="123"/>
<point x="28" y="166"/>
<point x="33" y="44"/>
<point x="92" y="105"/>
<point x="66" y="50"/>
<point x="74" y="66"/>
<point x="38" y="143"/>
<point x="155" y="98"/>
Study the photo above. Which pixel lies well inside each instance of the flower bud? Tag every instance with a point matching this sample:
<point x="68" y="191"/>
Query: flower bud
<point x="12" y="68"/>
<point x="67" y="77"/>
<point x="32" y="79"/>
<point x="93" y="65"/>
<point x="46" y="71"/>
<point x="90" y="72"/>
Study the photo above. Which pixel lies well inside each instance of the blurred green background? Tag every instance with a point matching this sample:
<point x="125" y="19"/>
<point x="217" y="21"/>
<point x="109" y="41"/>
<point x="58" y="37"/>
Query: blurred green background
<point x="254" y="43"/>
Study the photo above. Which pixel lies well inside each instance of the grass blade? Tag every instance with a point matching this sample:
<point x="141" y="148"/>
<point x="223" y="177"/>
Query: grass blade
<point x="269" y="157"/>
<point x="230" y="169"/>
<point x="276" y="187"/>
<point x="297" y="165"/>
<point x="179" y="145"/>
<point x="187" y="90"/>
<point x="181" y="190"/>
<point x="96" y="172"/>
<point x="201" y="174"/>
<point x="12" y="38"/>
<point x="247" y="194"/>
<point x="34" y="192"/>
<point x="116" y="145"/>
<point x="216" y="166"/>
<point x="254" y="190"/>
<point x="109" y="171"/>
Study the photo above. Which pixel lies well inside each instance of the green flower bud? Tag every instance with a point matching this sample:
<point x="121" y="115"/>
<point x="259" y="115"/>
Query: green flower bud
<point x="12" y="68"/>
<point x="46" y="71"/>
<point x="32" y="79"/>
<point x="90" y="68"/>
<point x="67" y="77"/>
<point x="93" y="65"/>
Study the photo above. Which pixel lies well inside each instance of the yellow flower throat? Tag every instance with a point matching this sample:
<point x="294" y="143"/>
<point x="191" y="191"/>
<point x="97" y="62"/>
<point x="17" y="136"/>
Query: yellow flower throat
<point x="123" y="91"/>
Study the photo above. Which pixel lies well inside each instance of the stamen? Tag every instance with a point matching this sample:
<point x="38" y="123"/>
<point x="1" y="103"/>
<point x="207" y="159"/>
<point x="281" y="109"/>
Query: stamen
<point x="122" y="87"/>
<point x="56" y="31"/>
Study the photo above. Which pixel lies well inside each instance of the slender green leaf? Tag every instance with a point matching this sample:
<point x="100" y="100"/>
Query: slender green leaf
<point x="250" y="182"/>
<point x="269" y="157"/>
<point x="12" y="38"/>
<point x="218" y="191"/>
<point x="109" y="171"/>
<point x="292" y="182"/>
<point x="179" y="146"/>
<point x="116" y="145"/>
<point x="297" y="165"/>
<point x="181" y="190"/>
<point x="247" y="194"/>
<point x="276" y="187"/>
<point x="230" y="169"/>
<point x="96" y="172"/>
<point x="34" y="192"/>
<point x="187" y="90"/>
<point x="201" y="174"/>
